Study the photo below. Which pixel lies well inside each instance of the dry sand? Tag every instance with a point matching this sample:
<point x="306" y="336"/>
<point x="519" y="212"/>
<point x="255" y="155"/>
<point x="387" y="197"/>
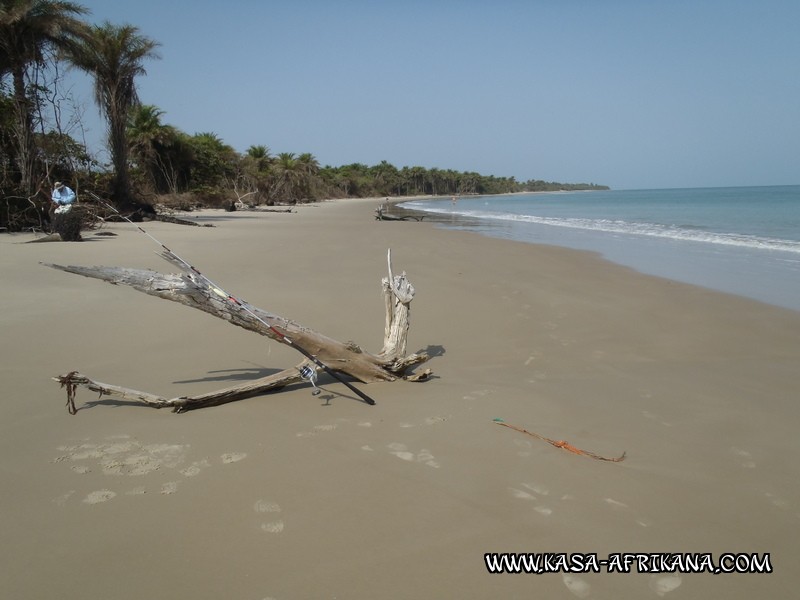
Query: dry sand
<point x="286" y="496"/>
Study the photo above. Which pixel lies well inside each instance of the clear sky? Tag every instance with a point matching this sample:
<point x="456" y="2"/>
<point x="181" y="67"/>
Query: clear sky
<point x="628" y="93"/>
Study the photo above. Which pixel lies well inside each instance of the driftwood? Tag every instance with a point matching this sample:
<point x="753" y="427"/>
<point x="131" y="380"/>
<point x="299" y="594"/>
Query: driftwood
<point x="192" y="289"/>
<point x="179" y="221"/>
<point x="266" y="210"/>
<point x="382" y="215"/>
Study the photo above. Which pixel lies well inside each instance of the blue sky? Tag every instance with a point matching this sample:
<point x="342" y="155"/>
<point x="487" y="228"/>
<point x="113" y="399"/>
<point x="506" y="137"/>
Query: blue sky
<point x="629" y="93"/>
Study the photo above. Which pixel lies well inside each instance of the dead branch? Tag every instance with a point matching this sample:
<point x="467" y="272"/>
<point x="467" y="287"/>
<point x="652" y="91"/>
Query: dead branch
<point x="191" y="289"/>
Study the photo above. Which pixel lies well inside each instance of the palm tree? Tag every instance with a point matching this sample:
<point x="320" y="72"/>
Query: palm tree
<point x="213" y="162"/>
<point x="309" y="163"/>
<point x="28" y="29"/>
<point x="211" y="139"/>
<point x="259" y="152"/>
<point x="289" y="174"/>
<point x="144" y="129"/>
<point x="308" y="168"/>
<point x="152" y="145"/>
<point x="386" y="177"/>
<point x="418" y="179"/>
<point x="113" y="55"/>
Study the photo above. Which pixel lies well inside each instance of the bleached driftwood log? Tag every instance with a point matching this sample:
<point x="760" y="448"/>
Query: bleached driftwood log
<point x="192" y="289"/>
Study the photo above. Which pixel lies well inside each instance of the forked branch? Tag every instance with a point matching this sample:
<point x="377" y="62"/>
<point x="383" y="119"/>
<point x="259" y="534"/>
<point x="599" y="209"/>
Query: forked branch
<point x="193" y="290"/>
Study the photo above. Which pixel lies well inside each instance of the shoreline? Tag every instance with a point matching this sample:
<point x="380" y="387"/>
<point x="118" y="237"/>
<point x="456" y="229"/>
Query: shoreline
<point x="744" y="272"/>
<point x="287" y="495"/>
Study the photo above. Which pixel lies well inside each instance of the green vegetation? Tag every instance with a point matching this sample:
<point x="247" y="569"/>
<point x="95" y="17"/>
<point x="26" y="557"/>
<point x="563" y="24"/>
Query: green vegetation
<point x="153" y="162"/>
<point x="552" y="186"/>
<point x="113" y="56"/>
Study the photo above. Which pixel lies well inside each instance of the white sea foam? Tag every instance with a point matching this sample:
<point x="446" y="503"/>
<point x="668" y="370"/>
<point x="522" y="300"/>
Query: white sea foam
<point x="743" y="241"/>
<point x="686" y="233"/>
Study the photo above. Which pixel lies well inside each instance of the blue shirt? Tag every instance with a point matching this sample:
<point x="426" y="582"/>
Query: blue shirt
<point x="64" y="195"/>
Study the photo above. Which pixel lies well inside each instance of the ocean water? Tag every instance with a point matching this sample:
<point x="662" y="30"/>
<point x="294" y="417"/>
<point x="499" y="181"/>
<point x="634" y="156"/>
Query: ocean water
<point x="743" y="240"/>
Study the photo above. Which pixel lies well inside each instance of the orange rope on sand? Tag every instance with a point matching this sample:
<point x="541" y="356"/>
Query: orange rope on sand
<point x="561" y="443"/>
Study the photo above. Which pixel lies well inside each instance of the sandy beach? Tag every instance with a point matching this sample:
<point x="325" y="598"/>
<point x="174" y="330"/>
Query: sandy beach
<point x="289" y="496"/>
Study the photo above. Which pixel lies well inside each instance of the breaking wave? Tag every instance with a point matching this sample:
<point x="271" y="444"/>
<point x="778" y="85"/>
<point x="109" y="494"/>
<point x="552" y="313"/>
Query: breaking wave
<point x="684" y="233"/>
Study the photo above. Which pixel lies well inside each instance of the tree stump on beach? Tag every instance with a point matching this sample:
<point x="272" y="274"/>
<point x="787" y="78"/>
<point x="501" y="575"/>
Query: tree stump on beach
<point x="194" y="290"/>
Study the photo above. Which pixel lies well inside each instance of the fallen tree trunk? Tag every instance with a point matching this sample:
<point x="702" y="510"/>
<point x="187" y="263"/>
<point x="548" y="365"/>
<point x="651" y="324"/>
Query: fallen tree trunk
<point x="179" y="221"/>
<point x="382" y="215"/>
<point x="192" y="289"/>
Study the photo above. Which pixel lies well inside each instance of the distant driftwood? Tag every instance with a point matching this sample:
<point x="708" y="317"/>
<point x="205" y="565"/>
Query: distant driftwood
<point x="179" y="221"/>
<point x="197" y="292"/>
<point x="382" y="215"/>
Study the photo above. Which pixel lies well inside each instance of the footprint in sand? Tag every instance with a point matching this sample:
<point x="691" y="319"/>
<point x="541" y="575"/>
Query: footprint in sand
<point x="272" y="526"/>
<point x="532" y="493"/>
<point x="63" y="497"/>
<point x="776" y="500"/>
<point x="538" y="376"/>
<point x="424" y="456"/>
<point x="648" y="415"/>
<point x="99" y="496"/>
<point x="136" y="464"/>
<point x="615" y="503"/>
<point x="427" y="421"/>
<point x="476" y="394"/>
<point x="522" y="495"/>
<point x="535" y="488"/>
<point x="119" y="455"/>
<point x="559" y="340"/>
<point x="316" y="429"/>
<point x="525" y="447"/>
<point x="195" y="468"/>
<point x="264" y="506"/>
<point x="233" y="457"/>
<point x="577" y="586"/>
<point x="747" y="458"/>
<point x="665" y="584"/>
<point x="330" y="427"/>
<point x="531" y="358"/>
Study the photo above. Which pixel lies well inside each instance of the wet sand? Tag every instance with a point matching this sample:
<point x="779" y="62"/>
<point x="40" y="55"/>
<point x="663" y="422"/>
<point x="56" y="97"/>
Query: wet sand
<point x="291" y="495"/>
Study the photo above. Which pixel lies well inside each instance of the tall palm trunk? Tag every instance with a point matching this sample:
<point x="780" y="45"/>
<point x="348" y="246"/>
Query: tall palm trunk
<point x="113" y="55"/>
<point x="120" y="151"/>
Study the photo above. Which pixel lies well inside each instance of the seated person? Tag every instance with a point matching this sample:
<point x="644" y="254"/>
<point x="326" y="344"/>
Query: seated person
<point x="62" y="195"/>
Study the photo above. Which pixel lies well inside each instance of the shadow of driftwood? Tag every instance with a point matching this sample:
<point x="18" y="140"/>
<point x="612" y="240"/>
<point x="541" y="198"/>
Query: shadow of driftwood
<point x="433" y="351"/>
<point x="111" y="402"/>
<point x="252" y="373"/>
<point x="240" y="374"/>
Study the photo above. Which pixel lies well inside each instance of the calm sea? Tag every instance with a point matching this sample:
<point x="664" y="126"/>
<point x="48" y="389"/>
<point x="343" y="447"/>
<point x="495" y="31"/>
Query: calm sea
<point x="743" y="240"/>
